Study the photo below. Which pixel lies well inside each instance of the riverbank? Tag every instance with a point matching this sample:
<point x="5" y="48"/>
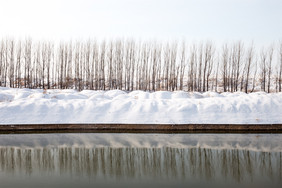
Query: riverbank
<point x="165" y="128"/>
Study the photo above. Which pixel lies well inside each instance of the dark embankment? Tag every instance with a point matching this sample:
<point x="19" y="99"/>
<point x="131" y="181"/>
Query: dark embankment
<point x="165" y="128"/>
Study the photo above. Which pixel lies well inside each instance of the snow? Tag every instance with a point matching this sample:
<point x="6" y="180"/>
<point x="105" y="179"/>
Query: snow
<point x="36" y="106"/>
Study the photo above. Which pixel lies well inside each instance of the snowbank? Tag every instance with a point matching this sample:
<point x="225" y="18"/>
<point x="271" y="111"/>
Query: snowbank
<point x="34" y="106"/>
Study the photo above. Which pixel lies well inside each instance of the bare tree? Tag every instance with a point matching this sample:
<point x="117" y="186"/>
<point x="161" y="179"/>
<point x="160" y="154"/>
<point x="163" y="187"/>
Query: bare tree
<point x="18" y="64"/>
<point x="182" y="65"/>
<point x="249" y="61"/>
<point x="208" y="64"/>
<point x="269" y="67"/>
<point x="10" y="62"/>
<point x="216" y="76"/>
<point x="280" y="70"/>
<point x="192" y="68"/>
<point x="263" y="57"/>
<point x="225" y="54"/>
<point x="27" y="62"/>
<point x="254" y="76"/>
<point x="2" y="46"/>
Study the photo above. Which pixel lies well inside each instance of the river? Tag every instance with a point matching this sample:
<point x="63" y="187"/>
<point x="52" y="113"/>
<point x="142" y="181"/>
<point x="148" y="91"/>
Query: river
<point x="152" y="160"/>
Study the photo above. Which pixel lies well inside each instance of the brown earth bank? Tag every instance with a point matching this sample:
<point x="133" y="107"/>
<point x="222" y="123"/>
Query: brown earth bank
<point x="143" y="128"/>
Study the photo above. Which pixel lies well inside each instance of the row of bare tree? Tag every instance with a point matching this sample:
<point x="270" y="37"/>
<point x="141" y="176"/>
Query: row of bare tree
<point x="130" y="65"/>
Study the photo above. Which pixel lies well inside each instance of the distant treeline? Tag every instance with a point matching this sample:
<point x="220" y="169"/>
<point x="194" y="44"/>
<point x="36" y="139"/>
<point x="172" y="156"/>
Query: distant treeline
<point x="131" y="65"/>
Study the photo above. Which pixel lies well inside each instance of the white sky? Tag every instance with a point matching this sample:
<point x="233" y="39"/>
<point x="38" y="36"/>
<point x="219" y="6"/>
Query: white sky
<point x="193" y="20"/>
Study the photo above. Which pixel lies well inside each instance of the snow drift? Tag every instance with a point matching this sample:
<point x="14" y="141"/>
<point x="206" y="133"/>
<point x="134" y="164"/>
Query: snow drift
<point x="36" y="106"/>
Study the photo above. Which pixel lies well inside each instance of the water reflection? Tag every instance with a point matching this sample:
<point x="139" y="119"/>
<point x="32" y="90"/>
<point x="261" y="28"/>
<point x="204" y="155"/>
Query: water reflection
<point x="164" y="163"/>
<point x="183" y="166"/>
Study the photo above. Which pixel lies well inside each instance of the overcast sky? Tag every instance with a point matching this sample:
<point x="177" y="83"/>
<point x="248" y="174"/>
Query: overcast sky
<point x="217" y="20"/>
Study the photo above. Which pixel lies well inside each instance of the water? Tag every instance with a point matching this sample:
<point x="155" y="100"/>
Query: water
<point x="152" y="160"/>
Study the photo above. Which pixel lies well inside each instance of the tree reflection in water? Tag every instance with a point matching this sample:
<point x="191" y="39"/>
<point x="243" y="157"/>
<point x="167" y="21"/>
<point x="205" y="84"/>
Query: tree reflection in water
<point x="137" y="163"/>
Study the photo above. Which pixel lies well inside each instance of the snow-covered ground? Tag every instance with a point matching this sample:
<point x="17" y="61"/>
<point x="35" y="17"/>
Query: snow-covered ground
<point x="36" y="106"/>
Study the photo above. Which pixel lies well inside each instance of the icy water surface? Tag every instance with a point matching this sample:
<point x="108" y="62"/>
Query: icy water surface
<point x="139" y="160"/>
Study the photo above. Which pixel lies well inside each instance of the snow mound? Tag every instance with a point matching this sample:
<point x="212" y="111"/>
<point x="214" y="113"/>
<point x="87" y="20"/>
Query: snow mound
<point x="35" y="106"/>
